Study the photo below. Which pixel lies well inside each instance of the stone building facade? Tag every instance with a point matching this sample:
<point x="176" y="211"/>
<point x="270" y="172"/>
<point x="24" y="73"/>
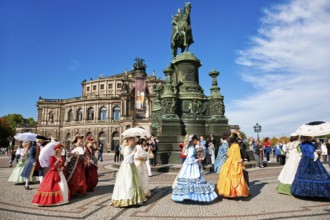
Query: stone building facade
<point x="107" y="107"/>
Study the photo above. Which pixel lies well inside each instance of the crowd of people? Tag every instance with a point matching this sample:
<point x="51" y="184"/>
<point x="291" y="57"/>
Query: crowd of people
<point x="65" y="173"/>
<point x="62" y="173"/>
<point x="281" y="150"/>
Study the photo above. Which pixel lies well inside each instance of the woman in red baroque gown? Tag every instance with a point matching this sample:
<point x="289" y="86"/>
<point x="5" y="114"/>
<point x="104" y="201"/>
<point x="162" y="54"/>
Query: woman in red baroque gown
<point x="54" y="189"/>
<point x="75" y="170"/>
<point x="91" y="167"/>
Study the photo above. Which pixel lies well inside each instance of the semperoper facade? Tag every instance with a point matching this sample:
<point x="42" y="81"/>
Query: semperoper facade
<point x="107" y="107"/>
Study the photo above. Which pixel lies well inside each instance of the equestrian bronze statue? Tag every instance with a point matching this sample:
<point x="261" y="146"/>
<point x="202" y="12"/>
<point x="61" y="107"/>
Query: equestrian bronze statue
<point x="181" y="30"/>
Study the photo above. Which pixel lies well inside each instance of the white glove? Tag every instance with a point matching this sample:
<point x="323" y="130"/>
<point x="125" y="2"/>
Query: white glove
<point x="316" y="156"/>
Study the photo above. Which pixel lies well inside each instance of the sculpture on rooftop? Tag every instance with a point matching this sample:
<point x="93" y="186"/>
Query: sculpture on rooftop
<point x="139" y="64"/>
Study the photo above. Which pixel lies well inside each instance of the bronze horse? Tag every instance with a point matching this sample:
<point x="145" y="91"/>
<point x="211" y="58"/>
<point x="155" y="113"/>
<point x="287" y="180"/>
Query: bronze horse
<point x="181" y="32"/>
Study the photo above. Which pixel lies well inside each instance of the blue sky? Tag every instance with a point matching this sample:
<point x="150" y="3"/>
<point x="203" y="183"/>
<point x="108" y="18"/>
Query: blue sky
<point x="273" y="56"/>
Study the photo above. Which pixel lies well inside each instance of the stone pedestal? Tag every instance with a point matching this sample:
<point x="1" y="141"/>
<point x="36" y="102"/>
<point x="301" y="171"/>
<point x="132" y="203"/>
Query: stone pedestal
<point x="185" y="109"/>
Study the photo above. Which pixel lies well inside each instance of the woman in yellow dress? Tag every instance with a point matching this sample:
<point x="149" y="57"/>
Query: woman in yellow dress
<point x="231" y="181"/>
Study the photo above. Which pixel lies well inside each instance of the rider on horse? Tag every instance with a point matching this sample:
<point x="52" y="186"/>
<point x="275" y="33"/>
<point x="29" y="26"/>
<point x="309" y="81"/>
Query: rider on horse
<point x="181" y="32"/>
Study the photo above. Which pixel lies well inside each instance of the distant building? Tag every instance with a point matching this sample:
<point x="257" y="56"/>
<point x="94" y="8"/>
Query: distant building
<point x="107" y="107"/>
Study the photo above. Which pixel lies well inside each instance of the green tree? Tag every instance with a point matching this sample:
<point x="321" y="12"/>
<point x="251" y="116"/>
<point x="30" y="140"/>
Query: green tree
<point x="14" y="120"/>
<point x="5" y="132"/>
<point x="30" y="122"/>
<point x="11" y="121"/>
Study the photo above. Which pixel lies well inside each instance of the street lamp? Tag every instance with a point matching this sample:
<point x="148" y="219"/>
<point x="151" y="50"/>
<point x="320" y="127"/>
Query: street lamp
<point x="257" y="129"/>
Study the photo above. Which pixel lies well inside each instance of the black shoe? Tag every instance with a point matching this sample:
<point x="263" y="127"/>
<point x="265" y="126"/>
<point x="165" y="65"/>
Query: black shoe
<point x="27" y="187"/>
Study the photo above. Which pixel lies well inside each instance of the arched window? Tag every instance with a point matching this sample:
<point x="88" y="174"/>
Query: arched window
<point x="90" y="115"/>
<point x="70" y="115"/>
<point x="103" y="113"/>
<point x="79" y="114"/>
<point x="116" y="113"/>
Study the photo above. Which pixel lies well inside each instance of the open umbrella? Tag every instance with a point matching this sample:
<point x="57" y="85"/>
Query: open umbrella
<point x="313" y="129"/>
<point x="26" y="136"/>
<point x="46" y="152"/>
<point x="135" y="132"/>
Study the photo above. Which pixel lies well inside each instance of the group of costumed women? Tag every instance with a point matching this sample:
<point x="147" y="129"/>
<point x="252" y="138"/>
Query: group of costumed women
<point x="59" y="182"/>
<point x="190" y="183"/>
<point x="132" y="188"/>
<point x="303" y="175"/>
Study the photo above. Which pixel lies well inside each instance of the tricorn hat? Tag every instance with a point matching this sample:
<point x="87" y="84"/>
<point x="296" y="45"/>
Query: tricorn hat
<point x="42" y="139"/>
<point x="77" y="137"/>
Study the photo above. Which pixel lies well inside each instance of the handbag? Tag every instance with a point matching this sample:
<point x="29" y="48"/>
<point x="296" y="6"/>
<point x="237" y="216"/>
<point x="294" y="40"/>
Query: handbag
<point x="151" y="155"/>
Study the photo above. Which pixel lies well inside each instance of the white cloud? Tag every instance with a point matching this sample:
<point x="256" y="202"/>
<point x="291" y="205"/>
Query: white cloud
<point x="288" y="64"/>
<point x="74" y="65"/>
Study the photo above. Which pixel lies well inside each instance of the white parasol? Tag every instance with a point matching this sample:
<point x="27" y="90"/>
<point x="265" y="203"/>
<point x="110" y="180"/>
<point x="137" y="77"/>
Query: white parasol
<point x="26" y="136"/>
<point x="313" y="129"/>
<point x="135" y="132"/>
<point x="46" y="152"/>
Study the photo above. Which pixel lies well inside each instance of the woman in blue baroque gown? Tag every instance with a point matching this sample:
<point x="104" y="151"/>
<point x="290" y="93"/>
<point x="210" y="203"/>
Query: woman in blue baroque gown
<point x="191" y="183"/>
<point x="312" y="179"/>
<point x="222" y="153"/>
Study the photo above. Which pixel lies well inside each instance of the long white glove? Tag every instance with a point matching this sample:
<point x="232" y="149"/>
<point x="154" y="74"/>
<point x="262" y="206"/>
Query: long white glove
<point x="316" y="156"/>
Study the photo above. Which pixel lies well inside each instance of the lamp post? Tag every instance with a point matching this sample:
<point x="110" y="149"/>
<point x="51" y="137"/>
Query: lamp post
<point x="257" y="129"/>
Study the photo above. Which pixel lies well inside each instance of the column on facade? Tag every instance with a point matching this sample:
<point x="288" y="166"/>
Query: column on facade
<point x="74" y="112"/>
<point x="84" y="116"/>
<point x="67" y="113"/>
<point x="96" y="112"/>
<point x="109" y="139"/>
<point x="123" y="107"/>
<point x="58" y="114"/>
<point x="110" y="112"/>
<point x="45" y="115"/>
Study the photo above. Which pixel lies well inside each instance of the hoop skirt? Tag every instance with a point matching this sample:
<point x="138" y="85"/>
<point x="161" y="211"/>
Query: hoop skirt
<point x="312" y="179"/>
<point x="231" y="181"/>
<point x="31" y="170"/>
<point x="221" y="157"/>
<point x="289" y="170"/>
<point x="53" y="190"/>
<point x="191" y="183"/>
<point x="140" y="161"/>
<point x="76" y="176"/>
<point x="128" y="190"/>
<point x="15" y="176"/>
<point x="92" y="177"/>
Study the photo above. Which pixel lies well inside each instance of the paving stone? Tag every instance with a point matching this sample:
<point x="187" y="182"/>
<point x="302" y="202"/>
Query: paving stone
<point x="263" y="203"/>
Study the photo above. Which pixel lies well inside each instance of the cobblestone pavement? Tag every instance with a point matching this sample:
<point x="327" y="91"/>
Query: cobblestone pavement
<point x="263" y="203"/>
